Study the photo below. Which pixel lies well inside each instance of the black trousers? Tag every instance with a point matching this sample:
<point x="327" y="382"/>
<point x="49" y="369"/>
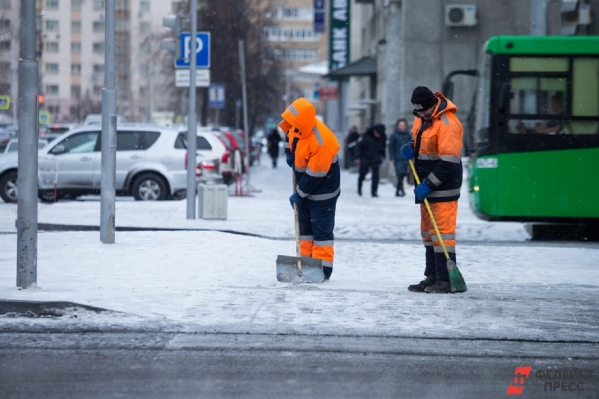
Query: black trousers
<point x="364" y="167"/>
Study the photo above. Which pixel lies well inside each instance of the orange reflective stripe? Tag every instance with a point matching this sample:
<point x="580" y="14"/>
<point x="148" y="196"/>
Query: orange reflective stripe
<point x="306" y="247"/>
<point x="324" y="252"/>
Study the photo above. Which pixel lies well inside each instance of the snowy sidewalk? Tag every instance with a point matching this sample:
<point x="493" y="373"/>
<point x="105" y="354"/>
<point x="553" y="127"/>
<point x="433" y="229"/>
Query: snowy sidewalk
<point x="209" y="281"/>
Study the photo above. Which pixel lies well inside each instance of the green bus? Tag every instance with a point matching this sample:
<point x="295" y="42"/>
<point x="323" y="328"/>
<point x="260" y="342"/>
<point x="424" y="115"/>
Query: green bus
<point x="534" y="133"/>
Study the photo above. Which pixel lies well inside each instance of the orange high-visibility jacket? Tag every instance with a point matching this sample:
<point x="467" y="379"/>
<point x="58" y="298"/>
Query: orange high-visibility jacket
<point x="437" y="148"/>
<point x="314" y="148"/>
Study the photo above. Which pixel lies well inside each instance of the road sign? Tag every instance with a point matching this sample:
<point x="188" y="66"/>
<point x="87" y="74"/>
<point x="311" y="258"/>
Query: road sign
<point x="4" y="102"/>
<point x="44" y="117"/>
<point x="202" y="50"/>
<point x="182" y="77"/>
<point x="216" y="96"/>
<point x="328" y="93"/>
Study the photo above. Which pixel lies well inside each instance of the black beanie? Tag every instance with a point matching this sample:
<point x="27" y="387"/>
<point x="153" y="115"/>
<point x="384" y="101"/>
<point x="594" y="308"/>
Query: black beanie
<point x="380" y="128"/>
<point x="423" y="98"/>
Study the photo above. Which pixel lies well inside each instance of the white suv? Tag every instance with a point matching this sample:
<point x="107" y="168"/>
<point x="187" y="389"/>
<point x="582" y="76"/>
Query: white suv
<point x="150" y="165"/>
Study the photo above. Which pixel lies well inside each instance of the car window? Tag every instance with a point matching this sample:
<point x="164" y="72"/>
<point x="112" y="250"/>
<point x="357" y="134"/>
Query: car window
<point x="13" y="147"/>
<point x="202" y="143"/>
<point x="80" y="142"/>
<point x="131" y="141"/>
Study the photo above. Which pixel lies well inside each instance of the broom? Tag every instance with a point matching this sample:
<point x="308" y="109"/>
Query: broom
<point x="455" y="277"/>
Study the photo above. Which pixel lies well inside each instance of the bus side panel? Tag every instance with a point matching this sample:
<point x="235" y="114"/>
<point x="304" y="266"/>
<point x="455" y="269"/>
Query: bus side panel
<point x="558" y="184"/>
<point x="482" y="181"/>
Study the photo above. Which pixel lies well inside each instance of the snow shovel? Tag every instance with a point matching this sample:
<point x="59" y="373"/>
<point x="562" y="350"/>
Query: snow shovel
<point x="298" y="269"/>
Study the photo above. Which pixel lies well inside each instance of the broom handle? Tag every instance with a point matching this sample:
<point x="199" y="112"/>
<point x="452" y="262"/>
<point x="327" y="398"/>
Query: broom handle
<point x="430" y="212"/>
<point x="296" y="219"/>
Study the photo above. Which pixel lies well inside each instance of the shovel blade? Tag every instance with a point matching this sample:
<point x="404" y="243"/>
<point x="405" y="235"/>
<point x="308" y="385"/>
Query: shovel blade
<point x="287" y="271"/>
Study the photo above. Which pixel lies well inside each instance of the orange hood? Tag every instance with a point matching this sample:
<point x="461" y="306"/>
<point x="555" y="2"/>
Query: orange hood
<point x="301" y="115"/>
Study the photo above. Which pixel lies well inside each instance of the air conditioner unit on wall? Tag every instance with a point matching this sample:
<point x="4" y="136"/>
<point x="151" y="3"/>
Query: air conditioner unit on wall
<point x="460" y="15"/>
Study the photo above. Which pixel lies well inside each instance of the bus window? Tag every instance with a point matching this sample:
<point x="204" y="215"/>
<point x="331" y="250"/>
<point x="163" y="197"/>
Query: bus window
<point x="540" y="97"/>
<point x="483" y="94"/>
<point x="585" y="95"/>
<point x="534" y="64"/>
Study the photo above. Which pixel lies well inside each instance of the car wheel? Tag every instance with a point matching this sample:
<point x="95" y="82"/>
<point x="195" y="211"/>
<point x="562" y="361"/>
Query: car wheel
<point x="46" y="195"/>
<point x="149" y="187"/>
<point x="8" y="187"/>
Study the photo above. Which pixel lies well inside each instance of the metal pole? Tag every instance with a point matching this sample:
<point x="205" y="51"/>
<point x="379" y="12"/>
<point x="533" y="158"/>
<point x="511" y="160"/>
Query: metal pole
<point x="192" y="117"/>
<point x="107" y="188"/>
<point x="245" y="112"/>
<point x="14" y="71"/>
<point x="27" y="164"/>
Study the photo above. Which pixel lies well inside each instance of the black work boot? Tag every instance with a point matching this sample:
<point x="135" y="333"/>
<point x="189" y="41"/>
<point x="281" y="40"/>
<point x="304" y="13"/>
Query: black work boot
<point x="440" y="287"/>
<point x="421" y="286"/>
<point x="360" y="189"/>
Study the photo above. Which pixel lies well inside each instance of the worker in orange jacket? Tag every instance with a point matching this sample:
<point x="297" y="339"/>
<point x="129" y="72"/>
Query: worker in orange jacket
<point x="311" y="150"/>
<point x="436" y="147"/>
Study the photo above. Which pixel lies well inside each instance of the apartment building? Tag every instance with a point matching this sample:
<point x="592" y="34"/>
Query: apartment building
<point x="295" y="43"/>
<point x="71" y="55"/>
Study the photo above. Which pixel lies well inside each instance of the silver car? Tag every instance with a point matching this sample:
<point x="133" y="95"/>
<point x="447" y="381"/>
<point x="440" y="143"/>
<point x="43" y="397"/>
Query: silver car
<point x="151" y="164"/>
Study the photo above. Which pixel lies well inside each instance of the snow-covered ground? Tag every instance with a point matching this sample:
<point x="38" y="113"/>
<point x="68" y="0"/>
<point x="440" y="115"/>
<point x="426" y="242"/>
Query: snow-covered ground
<point x="215" y="281"/>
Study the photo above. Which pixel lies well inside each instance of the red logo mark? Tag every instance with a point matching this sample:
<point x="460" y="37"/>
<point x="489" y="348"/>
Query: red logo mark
<point x="520" y="376"/>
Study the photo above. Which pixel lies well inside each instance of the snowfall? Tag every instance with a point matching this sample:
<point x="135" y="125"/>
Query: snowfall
<point x="219" y="275"/>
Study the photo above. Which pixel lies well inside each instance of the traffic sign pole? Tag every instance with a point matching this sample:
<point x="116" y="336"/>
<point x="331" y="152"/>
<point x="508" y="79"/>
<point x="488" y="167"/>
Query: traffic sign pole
<point x="191" y="120"/>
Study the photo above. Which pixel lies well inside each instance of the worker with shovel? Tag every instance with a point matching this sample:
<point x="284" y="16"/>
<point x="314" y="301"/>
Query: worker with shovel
<point x="436" y="148"/>
<point x="311" y="150"/>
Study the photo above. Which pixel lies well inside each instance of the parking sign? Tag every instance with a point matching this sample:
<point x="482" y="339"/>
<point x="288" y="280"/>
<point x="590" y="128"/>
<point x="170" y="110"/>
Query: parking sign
<point x="202" y="50"/>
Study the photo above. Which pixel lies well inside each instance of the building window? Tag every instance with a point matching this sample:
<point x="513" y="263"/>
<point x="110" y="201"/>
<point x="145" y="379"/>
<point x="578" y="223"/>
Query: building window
<point x="51" y="47"/>
<point x="75" y="26"/>
<point x="144" y="6"/>
<point x="5" y="4"/>
<point x="5" y="45"/>
<point x="75" y="69"/>
<point x="52" y="4"/>
<point x="5" y="24"/>
<point x="54" y="109"/>
<point x="144" y="27"/>
<point x="121" y="25"/>
<point x="76" y="48"/>
<point x="98" y="26"/>
<point x="98" y="68"/>
<point x="51" y="25"/>
<point x="75" y="91"/>
<point x="75" y="5"/>
<point x="97" y="90"/>
<point x="98" y="5"/>
<point x="4" y="67"/>
<point x="121" y="5"/>
<point x="51" y="68"/>
<point x="52" y="89"/>
<point x="98" y="48"/>
<point x="144" y="69"/>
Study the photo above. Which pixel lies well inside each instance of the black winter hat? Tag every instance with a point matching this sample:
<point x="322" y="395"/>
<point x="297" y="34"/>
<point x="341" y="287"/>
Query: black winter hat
<point x="423" y="98"/>
<point x="380" y="128"/>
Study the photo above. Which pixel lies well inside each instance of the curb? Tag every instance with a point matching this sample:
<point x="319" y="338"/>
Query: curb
<point x="49" y="308"/>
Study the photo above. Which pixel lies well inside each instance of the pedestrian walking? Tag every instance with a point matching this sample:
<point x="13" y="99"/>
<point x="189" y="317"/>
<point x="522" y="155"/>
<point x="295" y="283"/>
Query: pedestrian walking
<point x="399" y="137"/>
<point x="272" y="144"/>
<point x="436" y="148"/>
<point x="350" y="146"/>
<point x="311" y="150"/>
<point x="371" y="153"/>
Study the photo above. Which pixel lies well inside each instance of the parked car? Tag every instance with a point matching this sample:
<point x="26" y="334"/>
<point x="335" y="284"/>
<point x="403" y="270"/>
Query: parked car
<point x="211" y="145"/>
<point x="13" y="145"/>
<point x="149" y="165"/>
<point x="50" y="132"/>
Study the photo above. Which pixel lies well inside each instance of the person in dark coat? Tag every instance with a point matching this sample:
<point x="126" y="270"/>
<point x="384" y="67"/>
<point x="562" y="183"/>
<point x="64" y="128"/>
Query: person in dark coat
<point x="350" y="145"/>
<point x="399" y="137"/>
<point x="371" y="153"/>
<point x="273" y="140"/>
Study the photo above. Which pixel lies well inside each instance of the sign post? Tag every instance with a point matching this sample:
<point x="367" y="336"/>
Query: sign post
<point x="216" y="100"/>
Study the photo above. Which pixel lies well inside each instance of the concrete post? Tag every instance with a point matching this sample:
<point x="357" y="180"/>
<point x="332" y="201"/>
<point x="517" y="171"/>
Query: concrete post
<point x="192" y="117"/>
<point x="392" y="99"/>
<point x="107" y="188"/>
<point x="245" y="112"/>
<point x="28" y="140"/>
